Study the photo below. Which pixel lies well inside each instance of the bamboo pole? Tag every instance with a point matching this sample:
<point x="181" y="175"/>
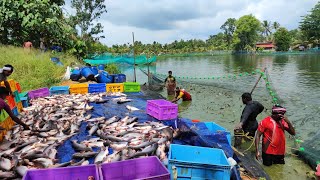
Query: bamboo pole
<point x="264" y="70"/>
<point x="134" y="59"/>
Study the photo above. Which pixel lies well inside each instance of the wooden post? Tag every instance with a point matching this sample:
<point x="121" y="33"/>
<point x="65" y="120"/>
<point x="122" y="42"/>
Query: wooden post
<point x="264" y="70"/>
<point x="134" y="59"/>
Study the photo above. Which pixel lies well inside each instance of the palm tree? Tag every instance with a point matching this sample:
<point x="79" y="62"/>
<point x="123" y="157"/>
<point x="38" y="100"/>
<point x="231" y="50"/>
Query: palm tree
<point x="266" y="28"/>
<point x="275" y="25"/>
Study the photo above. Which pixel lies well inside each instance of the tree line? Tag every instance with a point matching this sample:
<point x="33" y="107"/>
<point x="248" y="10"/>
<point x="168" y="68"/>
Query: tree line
<point x="81" y="32"/>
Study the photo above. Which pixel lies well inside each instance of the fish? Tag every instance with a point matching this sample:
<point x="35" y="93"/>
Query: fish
<point x="5" y="164"/>
<point x="5" y="144"/>
<point x="121" y="101"/>
<point x="112" y="120"/>
<point x="7" y="175"/>
<point x="132" y="108"/>
<point x="102" y="154"/>
<point x="119" y="146"/>
<point x="113" y="157"/>
<point x="146" y="151"/>
<point x="44" y="162"/>
<point x="78" y="163"/>
<point x="84" y="155"/>
<point x="93" y="129"/>
<point x="80" y="147"/>
<point x="22" y="170"/>
<point x="142" y="145"/>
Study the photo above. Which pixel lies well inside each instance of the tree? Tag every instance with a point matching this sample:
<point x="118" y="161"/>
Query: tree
<point x="87" y="12"/>
<point x="310" y="24"/>
<point x="229" y="27"/>
<point x="282" y="39"/>
<point x="266" y="26"/>
<point x="246" y="33"/>
<point x="275" y="25"/>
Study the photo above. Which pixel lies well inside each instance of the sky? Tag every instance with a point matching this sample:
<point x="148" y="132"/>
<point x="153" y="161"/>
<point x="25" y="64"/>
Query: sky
<point x="167" y="20"/>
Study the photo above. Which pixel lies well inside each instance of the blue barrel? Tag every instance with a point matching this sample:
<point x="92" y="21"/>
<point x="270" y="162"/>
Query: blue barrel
<point x="119" y="78"/>
<point x="101" y="67"/>
<point x="111" y="77"/>
<point x="75" y="75"/>
<point x="87" y="73"/>
<point x="102" y="78"/>
<point x="94" y="69"/>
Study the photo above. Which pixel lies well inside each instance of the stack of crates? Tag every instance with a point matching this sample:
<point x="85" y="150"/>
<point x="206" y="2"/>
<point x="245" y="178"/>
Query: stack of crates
<point x="13" y="101"/>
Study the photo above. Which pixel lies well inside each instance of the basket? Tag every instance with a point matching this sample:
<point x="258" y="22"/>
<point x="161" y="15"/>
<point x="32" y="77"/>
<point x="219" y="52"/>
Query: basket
<point x="59" y="90"/>
<point x="79" y="88"/>
<point x="96" y="88"/>
<point x="115" y="87"/>
<point x="42" y="92"/>
<point x="131" y="87"/>
<point x="162" y="109"/>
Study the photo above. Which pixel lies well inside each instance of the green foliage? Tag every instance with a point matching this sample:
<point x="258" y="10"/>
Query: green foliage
<point x="229" y="27"/>
<point x="33" y="69"/>
<point x="283" y="39"/>
<point x="266" y="28"/>
<point x="246" y="33"/>
<point x="310" y="24"/>
<point x="112" y="69"/>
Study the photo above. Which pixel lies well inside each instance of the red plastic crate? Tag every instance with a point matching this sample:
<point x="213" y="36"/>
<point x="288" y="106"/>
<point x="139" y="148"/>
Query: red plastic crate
<point x="11" y="102"/>
<point x="162" y="109"/>
<point x="18" y="87"/>
<point x="43" y="92"/>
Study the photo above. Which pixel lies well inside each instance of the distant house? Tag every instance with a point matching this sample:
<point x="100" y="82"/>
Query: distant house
<point x="268" y="46"/>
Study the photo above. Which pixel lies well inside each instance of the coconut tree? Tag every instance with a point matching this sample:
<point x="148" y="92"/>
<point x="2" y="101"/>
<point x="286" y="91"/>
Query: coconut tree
<point x="275" y="25"/>
<point x="266" y="26"/>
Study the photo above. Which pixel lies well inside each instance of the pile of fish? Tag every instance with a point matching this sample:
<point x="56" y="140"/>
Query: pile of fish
<point x="55" y="119"/>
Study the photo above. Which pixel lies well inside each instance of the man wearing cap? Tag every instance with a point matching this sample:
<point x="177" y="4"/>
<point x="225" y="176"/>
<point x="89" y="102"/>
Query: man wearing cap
<point x="181" y="93"/>
<point x="4" y="73"/>
<point x="274" y="140"/>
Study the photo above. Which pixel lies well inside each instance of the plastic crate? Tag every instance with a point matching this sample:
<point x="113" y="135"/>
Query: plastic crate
<point x="162" y="109"/>
<point x="10" y="101"/>
<point x="79" y="88"/>
<point x="193" y="162"/>
<point x="140" y="168"/>
<point x="215" y="128"/>
<point x="16" y="96"/>
<point x="115" y="87"/>
<point x="131" y="87"/>
<point x="59" y="90"/>
<point x="23" y="94"/>
<point x="96" y="88"/>
<point x="15" y="111"/>
<point x="42" y="92"/>
<point x="12" y="84"/>
<point x="19" y="107"/>
<point x="67" y="173"/>
<point x="18" y="87"/>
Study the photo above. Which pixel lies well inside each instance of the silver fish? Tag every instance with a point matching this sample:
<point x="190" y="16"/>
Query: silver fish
<point x="113" y="157"/>
<point x="80" y="147"/>
<point x="146" y="151"/>
<point x="44" y="162"/>
<point x="93" y="129"/>
<point x="8" y="175"/>
<point x="5" y="164"/>
<point x="21" y="170"/>
<point x="84" y="155"/>
<point x="119" y="146"/>
<point x="102" y="154"/>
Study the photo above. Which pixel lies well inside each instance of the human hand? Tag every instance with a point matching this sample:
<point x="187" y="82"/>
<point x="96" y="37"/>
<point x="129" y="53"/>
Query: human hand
<point x="238" y="126"/>
<point x="258" y="156"/>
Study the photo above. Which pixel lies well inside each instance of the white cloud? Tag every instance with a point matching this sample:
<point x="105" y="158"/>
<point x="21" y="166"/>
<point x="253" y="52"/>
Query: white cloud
<point x="168" y="20"/>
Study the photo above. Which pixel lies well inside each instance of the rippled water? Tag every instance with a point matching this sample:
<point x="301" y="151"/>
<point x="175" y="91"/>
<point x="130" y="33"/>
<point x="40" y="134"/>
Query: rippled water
<point x="295" y="78"/>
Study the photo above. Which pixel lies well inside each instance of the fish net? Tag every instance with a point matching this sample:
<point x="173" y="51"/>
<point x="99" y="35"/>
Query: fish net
<point x="309" y="150"/>
<point x="108" y="58"/>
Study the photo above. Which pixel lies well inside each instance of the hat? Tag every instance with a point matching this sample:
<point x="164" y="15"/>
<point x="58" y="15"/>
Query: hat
<point x="278" y="110"/>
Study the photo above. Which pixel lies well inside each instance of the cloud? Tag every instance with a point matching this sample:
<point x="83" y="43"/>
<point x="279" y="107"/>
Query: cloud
<point x="167" y="20"/>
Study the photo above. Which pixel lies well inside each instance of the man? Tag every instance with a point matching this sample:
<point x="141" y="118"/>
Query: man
<point x="170" y="83"/>
<point x="248" y="122"/>
<point x="4" y="73"/>
<point x="181" y="93"/>
<point x="274" y="140"/>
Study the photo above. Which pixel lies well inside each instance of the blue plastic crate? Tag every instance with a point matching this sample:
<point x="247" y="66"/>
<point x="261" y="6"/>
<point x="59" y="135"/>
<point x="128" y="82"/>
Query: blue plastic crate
<point x="215" y="128"/>
<point x="59" y="90"/>
<point x="15" y="111"/>
<point x="97" y="88"/>
<point x="193" y="162"/>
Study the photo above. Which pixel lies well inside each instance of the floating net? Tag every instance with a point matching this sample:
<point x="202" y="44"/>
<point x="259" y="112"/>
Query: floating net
<point x="108" y="58"/>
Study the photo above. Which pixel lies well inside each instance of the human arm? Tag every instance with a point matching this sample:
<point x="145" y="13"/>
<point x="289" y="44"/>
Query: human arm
<point x="244" y="117"/>
<point x="256" y="143"/>
<point x="15" y="118"/>
<point x="290" y="128"/>
<point x="178" y="97"/>
<point x="6" y="83"/>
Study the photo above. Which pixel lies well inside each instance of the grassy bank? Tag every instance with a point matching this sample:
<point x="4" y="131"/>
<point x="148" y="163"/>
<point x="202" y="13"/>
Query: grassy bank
<point x="34" y="69"/>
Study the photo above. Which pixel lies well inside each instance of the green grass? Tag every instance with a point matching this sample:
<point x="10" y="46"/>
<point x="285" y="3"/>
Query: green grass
<point x="34" y="69"/>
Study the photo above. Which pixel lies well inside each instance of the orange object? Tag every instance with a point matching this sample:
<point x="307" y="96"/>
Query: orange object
<point x="18" y="87"/>
<point x="12" y="84"/>
<point x="195" y="120"/>
<point x="10" y="101"/>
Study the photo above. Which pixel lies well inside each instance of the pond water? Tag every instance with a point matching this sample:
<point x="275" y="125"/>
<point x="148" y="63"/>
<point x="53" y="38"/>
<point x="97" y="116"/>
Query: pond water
<point x="294" y="78"/>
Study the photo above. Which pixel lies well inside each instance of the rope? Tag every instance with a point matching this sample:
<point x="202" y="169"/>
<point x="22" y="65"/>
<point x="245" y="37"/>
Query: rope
<point x="246" y="135"/>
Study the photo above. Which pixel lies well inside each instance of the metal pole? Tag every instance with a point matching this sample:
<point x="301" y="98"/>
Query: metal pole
<point x="134" y="59"/>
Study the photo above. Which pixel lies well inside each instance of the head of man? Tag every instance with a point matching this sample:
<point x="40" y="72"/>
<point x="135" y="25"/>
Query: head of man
<point x="170" y="73"/>
<point x="7" y="69"/>
<point x="278" y="112"/>
<point x="246" y="97"/>
<point x="3" y="92"/>
<point x="177" y="90"/>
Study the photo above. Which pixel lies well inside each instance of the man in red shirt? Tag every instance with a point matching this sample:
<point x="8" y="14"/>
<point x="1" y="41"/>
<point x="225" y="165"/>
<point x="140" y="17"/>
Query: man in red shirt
<point x="181" y="93"/>
<point x="274" y="140"/>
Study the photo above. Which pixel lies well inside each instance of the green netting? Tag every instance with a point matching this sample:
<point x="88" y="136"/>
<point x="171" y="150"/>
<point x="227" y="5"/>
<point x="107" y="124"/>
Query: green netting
<point x="108" y="58"/>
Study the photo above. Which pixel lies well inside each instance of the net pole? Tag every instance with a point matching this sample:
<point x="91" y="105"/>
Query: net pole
<point x="255" y="85"/>
<point x="134" y="59"/>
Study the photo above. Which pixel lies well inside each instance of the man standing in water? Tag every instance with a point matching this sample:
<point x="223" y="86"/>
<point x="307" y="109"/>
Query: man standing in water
<point x="170" y="83"/>
<point x="248" y="122"/>
<point x="181" y="93"/>
<point x="274" y="140"/>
